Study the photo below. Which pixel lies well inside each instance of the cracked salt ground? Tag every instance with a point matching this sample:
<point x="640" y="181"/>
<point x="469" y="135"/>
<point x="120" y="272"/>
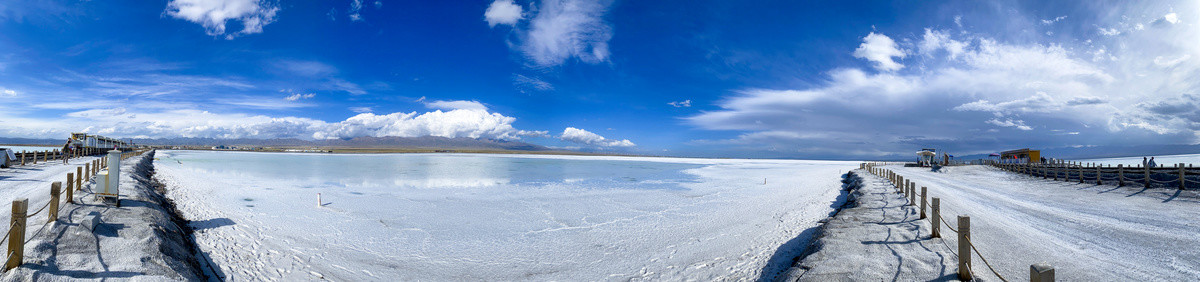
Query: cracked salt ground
<point x="462" y="216"/>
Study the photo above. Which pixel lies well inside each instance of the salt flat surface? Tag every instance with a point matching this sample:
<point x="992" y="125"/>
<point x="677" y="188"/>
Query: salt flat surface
<point x="31" y="148"/>
<point x="496" y="217"/>
<point x="32" y="181"/>
<point x="1087" y="232"/>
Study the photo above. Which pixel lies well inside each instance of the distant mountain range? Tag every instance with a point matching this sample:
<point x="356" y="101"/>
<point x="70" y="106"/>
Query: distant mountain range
<point x="426" y="142"/>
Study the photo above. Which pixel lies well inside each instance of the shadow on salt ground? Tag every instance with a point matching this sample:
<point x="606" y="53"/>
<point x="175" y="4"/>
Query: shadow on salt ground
<point x="792" y="250"/>
<point x="210" y="223"/>
<point x="51" y="264"/>
<point x="1165" y="194"/>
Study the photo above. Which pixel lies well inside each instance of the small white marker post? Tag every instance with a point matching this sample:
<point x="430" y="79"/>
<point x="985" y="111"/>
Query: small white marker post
<point x="318" y="200"/>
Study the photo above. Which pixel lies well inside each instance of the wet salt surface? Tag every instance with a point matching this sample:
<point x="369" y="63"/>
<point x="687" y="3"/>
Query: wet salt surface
<point x="505" y="217"/>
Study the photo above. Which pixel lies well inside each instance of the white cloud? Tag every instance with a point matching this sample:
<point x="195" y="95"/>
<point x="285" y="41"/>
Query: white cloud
<point x="356" y="10"/>
<point x="456" y="105"/>
<point x="681" y="104"/>
<point x="880" y="49"/>
<point x="378" y="4"/>
<point x="531" y="83"/>
<point x="1171" y="18"/>
<point x="1054" y="20"/>
<point x="564" y="29"/>
<point x="958" y="21"/>
<point x="1039" y="103"/>
<point x="580" y="136"/>
<point x="935" y="40"/>
<point x="469" y="123"/>
<point x="214" y="14"/>
<point x="1166" y="63"/>
<point x="1109" y="31"/>
<point x="298" y="96"/>
<point x="361" y="109"/>
<point x="502" y="12"/>
<point x="1019" y="124"/>
<point x="942" y="103"/>
<point x="8" y="93"/>
<point x="349" y="87"/>
<point x="121" y="122"/>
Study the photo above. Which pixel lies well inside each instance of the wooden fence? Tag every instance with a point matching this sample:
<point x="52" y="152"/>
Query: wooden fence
<point x="33" y="157"/>
<point x="1038" y="272"/>
<point x="1180" y="176"/>
<point x="17" y="225"/>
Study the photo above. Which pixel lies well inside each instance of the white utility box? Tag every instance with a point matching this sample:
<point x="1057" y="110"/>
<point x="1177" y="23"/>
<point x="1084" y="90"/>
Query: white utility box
<point x="111" y="179"/>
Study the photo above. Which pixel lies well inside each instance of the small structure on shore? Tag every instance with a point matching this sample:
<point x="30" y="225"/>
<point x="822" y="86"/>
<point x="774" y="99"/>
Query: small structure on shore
<point x="1021" y="156"/>
<point x="926" y="157"/>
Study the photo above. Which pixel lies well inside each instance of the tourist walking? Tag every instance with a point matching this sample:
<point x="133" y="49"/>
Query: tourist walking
<point x="1152" y="164"/>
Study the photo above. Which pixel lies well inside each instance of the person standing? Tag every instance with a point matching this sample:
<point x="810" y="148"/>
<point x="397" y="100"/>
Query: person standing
<point x="1152" y="164"/>
<point x="66" y="151"/>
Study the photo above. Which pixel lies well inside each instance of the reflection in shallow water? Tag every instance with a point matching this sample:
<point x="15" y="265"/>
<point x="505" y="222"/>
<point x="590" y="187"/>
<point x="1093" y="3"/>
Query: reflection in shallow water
<point x="434" y="170"/>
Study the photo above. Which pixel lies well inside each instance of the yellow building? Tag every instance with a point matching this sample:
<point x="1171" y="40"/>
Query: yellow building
<point x="1022" y="154"/>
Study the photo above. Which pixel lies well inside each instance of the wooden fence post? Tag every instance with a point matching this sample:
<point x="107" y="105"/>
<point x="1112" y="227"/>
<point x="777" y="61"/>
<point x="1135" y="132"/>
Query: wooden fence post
<point x="55" y="189"/>
<point x="912" y="194"/>
<point x="923" y="194"/>
<point x="1098" y="172"/>
<point x="1120" y="175"/>
<point x="87" y="167"/>
<point x="1041" y="272"/>
<point x="1081" y="174"/>
<point x="964" y="247"/>
<point x="79" y="180"/>
<point x="1054" y="169"/>
<point x="34" y="157"/>
<point x="1182" y="178"/>
<point x="937" y="217"/>
<point x="22" y="158"/>
<point x="70" y="187"/>
<point x="1147" y="179"/>
<point x="16" y="234"/>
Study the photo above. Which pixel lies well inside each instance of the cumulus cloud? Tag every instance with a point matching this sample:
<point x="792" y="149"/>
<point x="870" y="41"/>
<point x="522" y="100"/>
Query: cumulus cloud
<point x="935" y="40"/>
<point x="580" y="136"/>
<point x="502" y="12"/>
<point x="213" y="15"/>
<point x="681" y="104"/>
<point x="121" y="122"/>
<point x="8" y="93"/>
<point x="470" y="123"/>
<point x="1172" y="18"/>
<point x="880" y="49"/>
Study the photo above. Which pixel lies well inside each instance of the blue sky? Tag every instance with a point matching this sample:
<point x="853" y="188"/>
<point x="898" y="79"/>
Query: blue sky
<point x="802" y="79"/>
